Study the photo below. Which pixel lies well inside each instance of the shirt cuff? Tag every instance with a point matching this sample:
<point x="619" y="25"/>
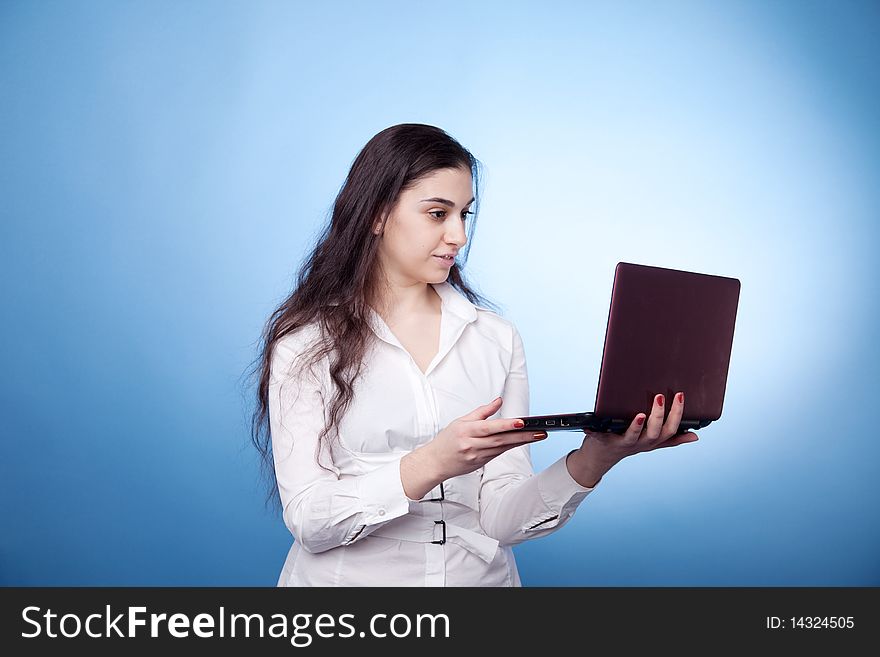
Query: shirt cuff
<point x="561" y="495"/>
<point x="381" y="494"/>
<point x="558" y="487"/>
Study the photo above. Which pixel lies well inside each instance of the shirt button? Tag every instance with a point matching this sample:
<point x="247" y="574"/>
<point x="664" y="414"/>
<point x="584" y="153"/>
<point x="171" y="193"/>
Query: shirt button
<point x="381" y="512"/>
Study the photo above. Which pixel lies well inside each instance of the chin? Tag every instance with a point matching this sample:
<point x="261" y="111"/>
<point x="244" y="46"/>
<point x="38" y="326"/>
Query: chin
<point x="434" y="274"/>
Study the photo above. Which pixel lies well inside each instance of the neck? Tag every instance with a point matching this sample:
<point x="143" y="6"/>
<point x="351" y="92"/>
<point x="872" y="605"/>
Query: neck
<point x="402" y="300"/>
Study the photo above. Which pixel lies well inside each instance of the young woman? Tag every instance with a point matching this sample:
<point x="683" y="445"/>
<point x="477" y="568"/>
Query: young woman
<point x="392" y="390"/>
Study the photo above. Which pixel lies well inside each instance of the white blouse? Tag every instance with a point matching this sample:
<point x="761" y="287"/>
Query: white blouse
<point x="352" y="523"/>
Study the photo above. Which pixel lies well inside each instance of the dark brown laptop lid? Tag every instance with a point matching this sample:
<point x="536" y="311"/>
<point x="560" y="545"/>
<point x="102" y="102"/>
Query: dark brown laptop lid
<point x="668" y="330"/>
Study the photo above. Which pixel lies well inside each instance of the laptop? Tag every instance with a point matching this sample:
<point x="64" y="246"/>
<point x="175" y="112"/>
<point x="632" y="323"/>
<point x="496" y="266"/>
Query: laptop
<point x="668" y="331"/>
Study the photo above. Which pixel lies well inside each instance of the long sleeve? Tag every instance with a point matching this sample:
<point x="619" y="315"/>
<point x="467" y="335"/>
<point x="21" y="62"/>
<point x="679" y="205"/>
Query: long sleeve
<point x="321" y="509"/>
<point x="515" y="503"/>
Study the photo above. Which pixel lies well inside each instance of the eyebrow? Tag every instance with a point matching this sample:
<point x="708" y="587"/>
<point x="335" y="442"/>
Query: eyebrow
<point x="444" y="201"/>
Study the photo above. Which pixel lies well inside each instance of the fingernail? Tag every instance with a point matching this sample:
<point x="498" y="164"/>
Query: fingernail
<point x="519" y="424"/>
<point x="681" y="398"/>
<point x="640" y="420"/>
<point x="660" y="400"/>
<point x="496" y="400"/>
<point x="539" y="436"/>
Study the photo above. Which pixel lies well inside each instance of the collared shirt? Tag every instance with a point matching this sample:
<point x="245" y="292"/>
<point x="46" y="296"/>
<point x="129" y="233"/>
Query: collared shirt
<point x="352" y="523"/>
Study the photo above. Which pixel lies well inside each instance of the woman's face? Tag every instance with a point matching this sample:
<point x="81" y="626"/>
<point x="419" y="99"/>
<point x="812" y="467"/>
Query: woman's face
<point x="428" y="221"/>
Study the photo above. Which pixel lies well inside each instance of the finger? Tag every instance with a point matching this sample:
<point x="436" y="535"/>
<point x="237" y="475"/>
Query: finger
<point x="630" y="436"/>
<point x="676" y="410"/>
<point x="635" y="428"/>
<point x="498" y="425"/>
<point x="512" y="438"/>
<point x="654" y="423"/>
<point x="484" y="411"/>
<point x="492" y="452"/>
<point x="680" y="439"/>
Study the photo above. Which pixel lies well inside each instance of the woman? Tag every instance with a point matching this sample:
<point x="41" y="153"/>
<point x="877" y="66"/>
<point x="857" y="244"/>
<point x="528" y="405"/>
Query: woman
<point x="392" y="392"/>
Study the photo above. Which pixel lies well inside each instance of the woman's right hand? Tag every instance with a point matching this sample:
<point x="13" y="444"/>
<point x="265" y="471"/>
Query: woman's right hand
<point x="471" y="441"/>
<point x="467" y="444"/>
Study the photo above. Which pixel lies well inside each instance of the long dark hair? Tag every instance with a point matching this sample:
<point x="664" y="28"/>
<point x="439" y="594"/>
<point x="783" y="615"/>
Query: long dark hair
<point x="339" y="280"/>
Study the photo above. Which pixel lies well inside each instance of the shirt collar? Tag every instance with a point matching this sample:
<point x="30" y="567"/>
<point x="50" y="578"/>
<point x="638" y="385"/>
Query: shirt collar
<point x="455" y="302"/>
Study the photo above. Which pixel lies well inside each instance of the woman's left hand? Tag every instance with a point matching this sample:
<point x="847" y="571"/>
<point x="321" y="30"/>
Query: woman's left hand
<point x="601" y="451"/>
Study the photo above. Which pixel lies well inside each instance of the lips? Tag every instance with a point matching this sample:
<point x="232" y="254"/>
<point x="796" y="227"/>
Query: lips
<point x="447" y="262"/>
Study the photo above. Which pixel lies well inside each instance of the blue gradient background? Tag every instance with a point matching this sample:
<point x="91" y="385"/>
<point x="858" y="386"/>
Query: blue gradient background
<point x="166" y="166"/>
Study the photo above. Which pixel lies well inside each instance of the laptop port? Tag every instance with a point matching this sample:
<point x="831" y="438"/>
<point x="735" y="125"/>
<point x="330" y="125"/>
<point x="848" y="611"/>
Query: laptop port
<point x="564" y="423"/>
<point x="550" y="423"/>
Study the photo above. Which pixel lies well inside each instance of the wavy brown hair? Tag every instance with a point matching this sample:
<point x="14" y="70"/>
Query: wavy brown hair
<point x="339" y="280"/>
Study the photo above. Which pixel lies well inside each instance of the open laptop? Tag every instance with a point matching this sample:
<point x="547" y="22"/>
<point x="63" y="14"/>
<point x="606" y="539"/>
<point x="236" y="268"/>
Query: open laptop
<point x="668" y="331"/>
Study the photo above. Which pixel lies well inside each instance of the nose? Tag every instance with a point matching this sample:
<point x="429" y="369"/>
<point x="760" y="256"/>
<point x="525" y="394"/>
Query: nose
<point x="456" y="234"/>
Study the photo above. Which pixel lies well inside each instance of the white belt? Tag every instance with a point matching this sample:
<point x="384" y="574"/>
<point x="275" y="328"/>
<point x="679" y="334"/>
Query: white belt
<point x="425" y="530"/>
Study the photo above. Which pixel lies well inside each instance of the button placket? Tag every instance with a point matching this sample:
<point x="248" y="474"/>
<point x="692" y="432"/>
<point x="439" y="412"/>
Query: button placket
<point x="424" y="414"/>
<point x="432" y="404"/>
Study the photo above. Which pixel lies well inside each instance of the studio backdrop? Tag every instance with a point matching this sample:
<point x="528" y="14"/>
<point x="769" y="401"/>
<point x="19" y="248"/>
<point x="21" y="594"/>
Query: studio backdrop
<point x="167" y="166"/>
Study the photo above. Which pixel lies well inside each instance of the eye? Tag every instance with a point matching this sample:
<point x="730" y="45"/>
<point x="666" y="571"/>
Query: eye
<point x="433" y="213"/>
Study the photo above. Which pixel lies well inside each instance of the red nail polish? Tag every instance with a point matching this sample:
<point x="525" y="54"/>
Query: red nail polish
<point x="660" y="400"/>
<point x="519" y="424"/>
<point x="640" y="420"/>
<point x="681" y="397"/>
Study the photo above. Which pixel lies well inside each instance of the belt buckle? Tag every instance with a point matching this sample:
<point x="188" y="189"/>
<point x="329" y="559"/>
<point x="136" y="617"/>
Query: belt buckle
<point x="443" y="524"/>
<point x="437" y="499"/>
